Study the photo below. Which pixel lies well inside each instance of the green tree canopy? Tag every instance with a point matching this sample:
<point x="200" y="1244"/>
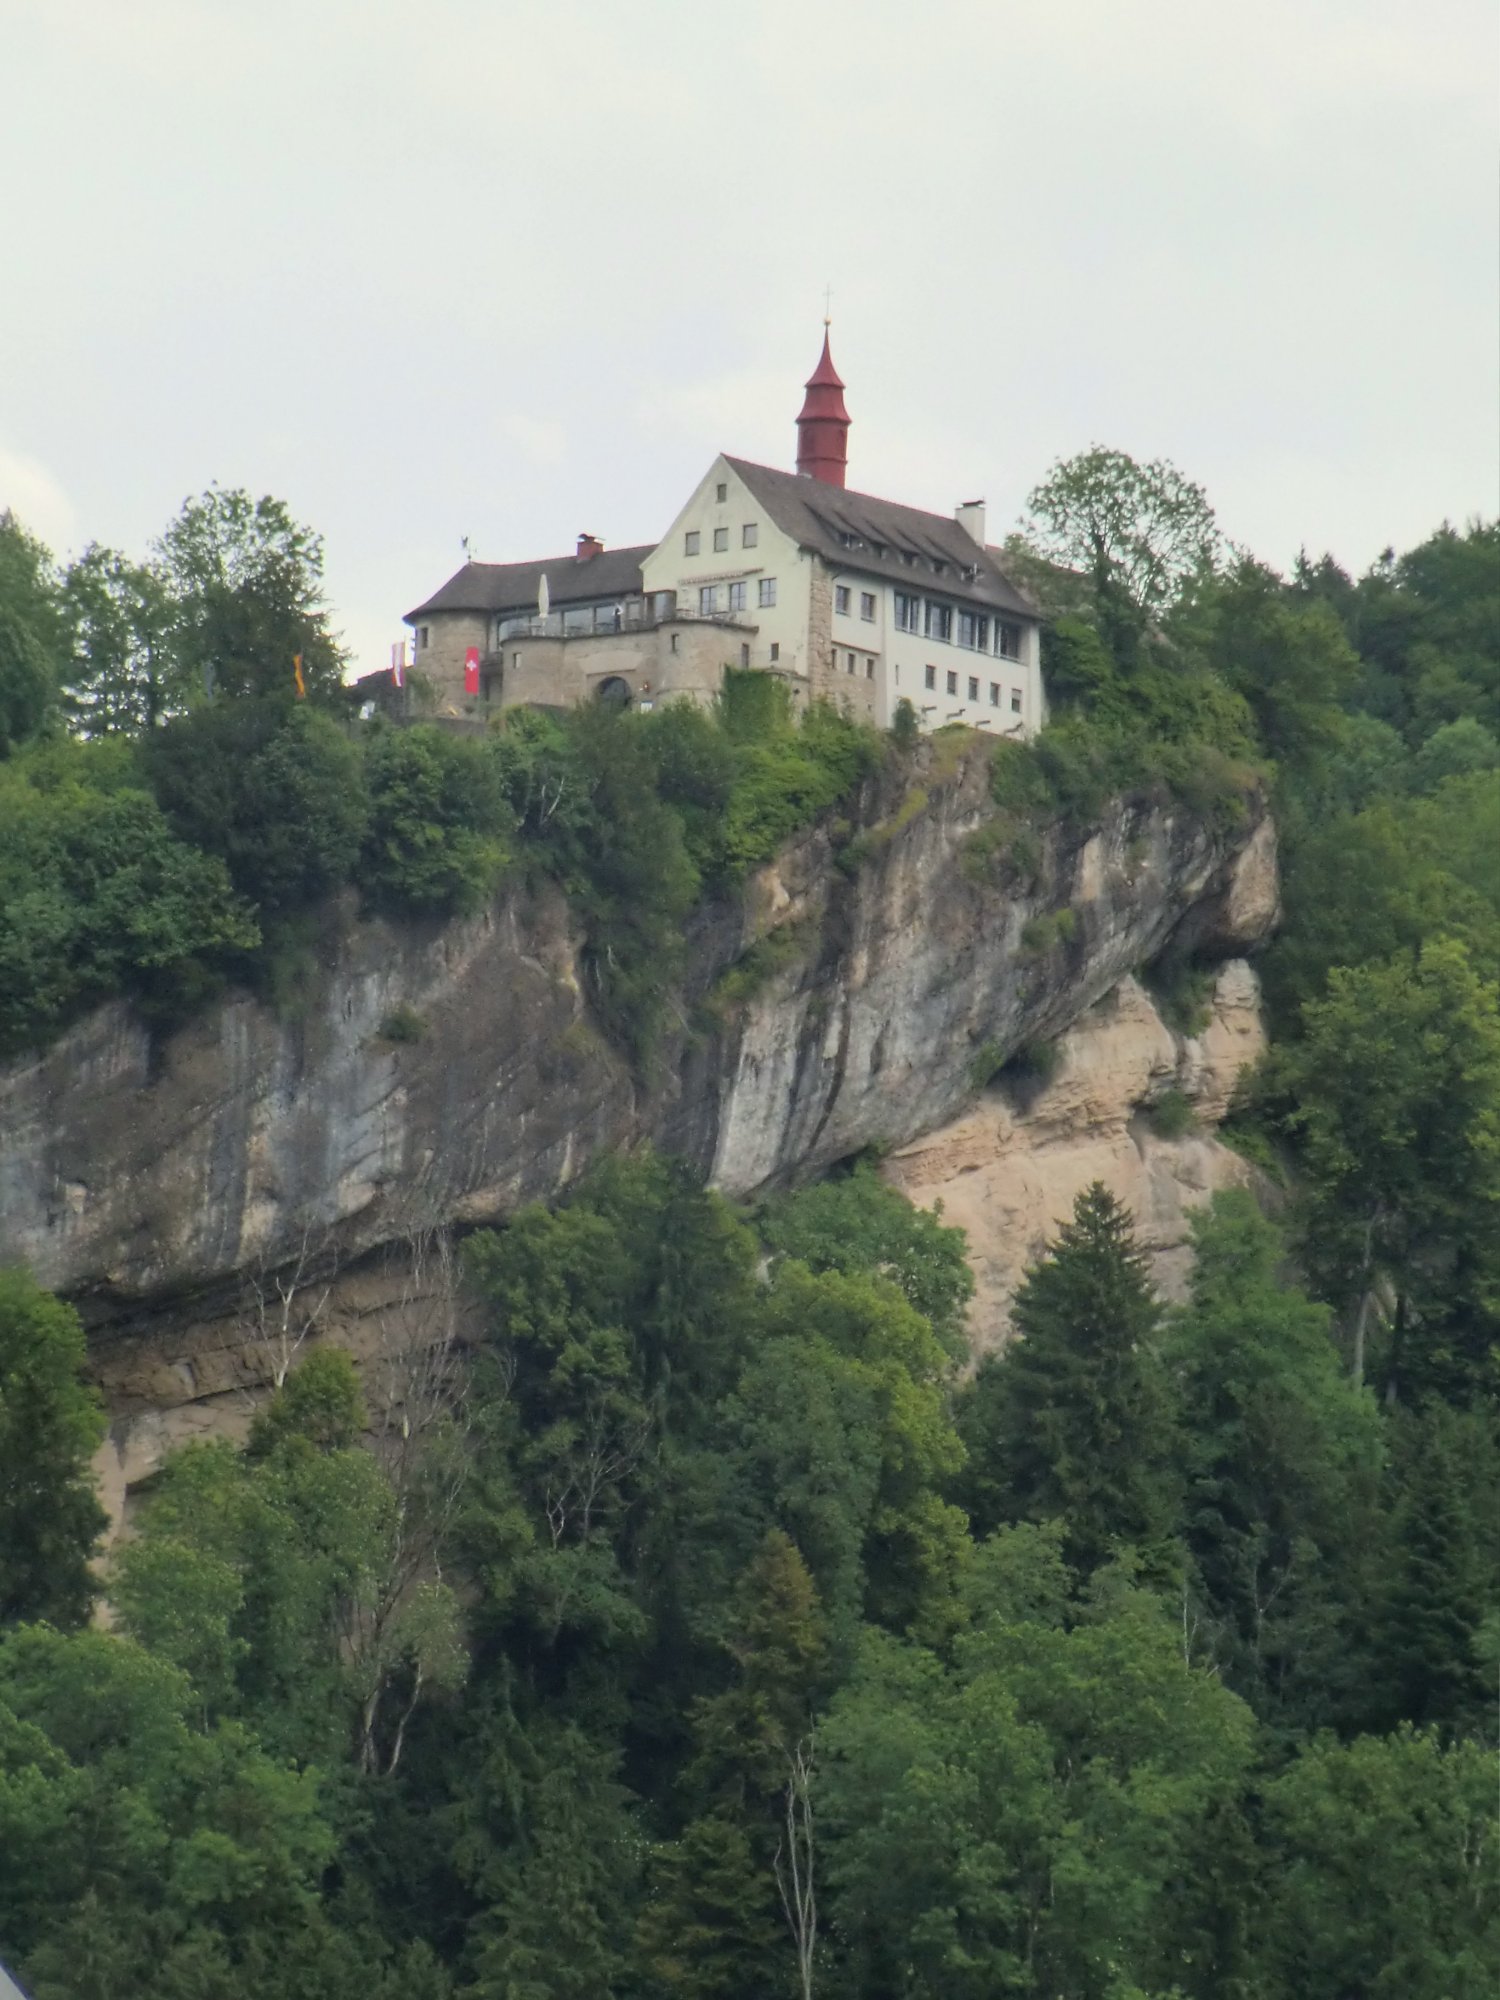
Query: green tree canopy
<point x="855" y="1222"/>
<point x="276" y="792"/>
<point x="50" y="1425"/>
<point x="98" y="898"/>
<point x="1074" y="1421"/>
<point x="246" y="582"/>
<point x="1026" y="1821"/>
<point x="124" y="677"/>
<point x="1381" y="1873"/>
<point x="32" y="634"/>
<point x="1282" y="1457"/>
<point x="1394" y="1092"/>
<point x="1139" y="532"/>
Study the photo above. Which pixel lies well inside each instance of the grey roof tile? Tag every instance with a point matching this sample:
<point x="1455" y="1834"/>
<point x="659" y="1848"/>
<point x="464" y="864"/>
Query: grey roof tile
<point x="859" y="532"/>
<point x="513" y="586"/>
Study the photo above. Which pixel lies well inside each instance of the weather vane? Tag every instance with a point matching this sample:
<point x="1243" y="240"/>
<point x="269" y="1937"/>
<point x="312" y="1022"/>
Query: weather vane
<point x="828" y="305"/>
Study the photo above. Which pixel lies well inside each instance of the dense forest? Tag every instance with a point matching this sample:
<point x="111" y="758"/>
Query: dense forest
<point x="705" y="1625"/>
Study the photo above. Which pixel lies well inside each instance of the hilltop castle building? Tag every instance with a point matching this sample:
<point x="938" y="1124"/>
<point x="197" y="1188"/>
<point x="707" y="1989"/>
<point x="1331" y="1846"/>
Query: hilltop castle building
<point x="846" y="597"/>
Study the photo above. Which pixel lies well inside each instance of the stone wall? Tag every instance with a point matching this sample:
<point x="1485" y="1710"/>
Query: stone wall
<point x="441" y="662"/>
<point x="820" y="670"/>
<point x="680" y="658"/>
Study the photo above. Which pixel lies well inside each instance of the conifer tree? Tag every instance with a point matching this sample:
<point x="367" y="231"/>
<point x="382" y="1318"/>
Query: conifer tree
<point x="709" y="1930"/>
<point x="1281" y="1455"/>
<point x="1073" y="1422"/>
<point x="50" y="1424"/>
<point x="1442" y="1585"/>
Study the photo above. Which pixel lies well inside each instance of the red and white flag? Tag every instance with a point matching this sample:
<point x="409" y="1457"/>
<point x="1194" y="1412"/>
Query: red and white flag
<point x="398" y="662"/>
<point x="471" y="670"/>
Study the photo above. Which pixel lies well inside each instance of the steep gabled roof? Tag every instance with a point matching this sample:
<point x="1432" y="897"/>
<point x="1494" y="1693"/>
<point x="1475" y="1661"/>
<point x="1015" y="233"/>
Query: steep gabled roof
<point x="857" y="532"/>
<point x="513" y="586"/>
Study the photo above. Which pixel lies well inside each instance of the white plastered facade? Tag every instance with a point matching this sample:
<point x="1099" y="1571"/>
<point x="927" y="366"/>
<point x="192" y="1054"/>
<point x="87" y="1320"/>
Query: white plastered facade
<point x="859" y="656"/>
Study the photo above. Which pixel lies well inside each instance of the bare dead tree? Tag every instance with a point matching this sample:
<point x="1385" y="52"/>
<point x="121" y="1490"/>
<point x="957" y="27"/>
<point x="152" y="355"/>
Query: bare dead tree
<point x="587" y="1482"/>
<point x="794" y="1861"/>
<point x="285" y="1304"/>
<point x="417" y="1392"/>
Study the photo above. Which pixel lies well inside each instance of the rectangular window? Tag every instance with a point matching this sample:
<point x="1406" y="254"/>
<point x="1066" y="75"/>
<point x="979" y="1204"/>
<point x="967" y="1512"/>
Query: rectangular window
<point x="994" y="694"/>
<point x="775" y="652"/>
<point x="749" y="534"/>
<point x="939" y="623"/>
<point x="1015" y="701"/>
<point x="849" y="668"/>
<point x="952" y="682"/>
<point x="906" y="611"/>
<point x="974" y="630"/>
<point x="736" y="597"/>
<point x="1007" y="639"/>
<point x="869" y="670"/>
<point x="929" y="677"/>
<point x="766" y="592"/>
<point x="690" y="542"/>
<point x="721" y="492"/>
<point x="708" y="597"/>
<point x="841" y="599"/>
<point x="721" y="540"/>
<point x="867" y="606"/>
<point x="424" y="634"/>
<point x="973" y="687"/>
<point x="744" y="656"/>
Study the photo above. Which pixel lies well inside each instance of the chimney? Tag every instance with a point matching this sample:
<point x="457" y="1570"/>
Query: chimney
<point x="589" y="546"/>
<point x="969" y="515"/>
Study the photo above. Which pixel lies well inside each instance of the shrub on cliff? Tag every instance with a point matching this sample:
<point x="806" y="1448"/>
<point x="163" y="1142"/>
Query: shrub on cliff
<point x="97" y="897"/>
<point x="276" y="792"/>
<point x="786" y="775"/>
<point x="437" y="837"/>
<point x="634" y="815"/>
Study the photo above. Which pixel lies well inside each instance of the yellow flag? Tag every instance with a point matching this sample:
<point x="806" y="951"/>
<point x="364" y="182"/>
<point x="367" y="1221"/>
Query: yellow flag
<point x="297" y="673"/>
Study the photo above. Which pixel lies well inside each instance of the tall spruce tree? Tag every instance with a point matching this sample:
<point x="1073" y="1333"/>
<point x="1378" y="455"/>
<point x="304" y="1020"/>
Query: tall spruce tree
<point x="1074" y="1422"/>
<point x="1441" y="1590"/>
<point x="1282" y="1456"/>
<point x="50" y="1425"/>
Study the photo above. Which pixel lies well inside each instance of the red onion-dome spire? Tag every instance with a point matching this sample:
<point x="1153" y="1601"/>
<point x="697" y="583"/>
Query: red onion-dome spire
<point x="823" y="424"/>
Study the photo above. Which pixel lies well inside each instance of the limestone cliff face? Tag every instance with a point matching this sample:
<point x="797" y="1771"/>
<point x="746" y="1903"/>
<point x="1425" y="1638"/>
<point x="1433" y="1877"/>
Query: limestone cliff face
<point x="1008" y="1173"/>
<point x="138" y="1170"/>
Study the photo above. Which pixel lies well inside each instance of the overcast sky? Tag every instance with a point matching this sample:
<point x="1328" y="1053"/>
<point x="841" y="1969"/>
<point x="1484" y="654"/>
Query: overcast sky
<point x="515" y="270"/>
